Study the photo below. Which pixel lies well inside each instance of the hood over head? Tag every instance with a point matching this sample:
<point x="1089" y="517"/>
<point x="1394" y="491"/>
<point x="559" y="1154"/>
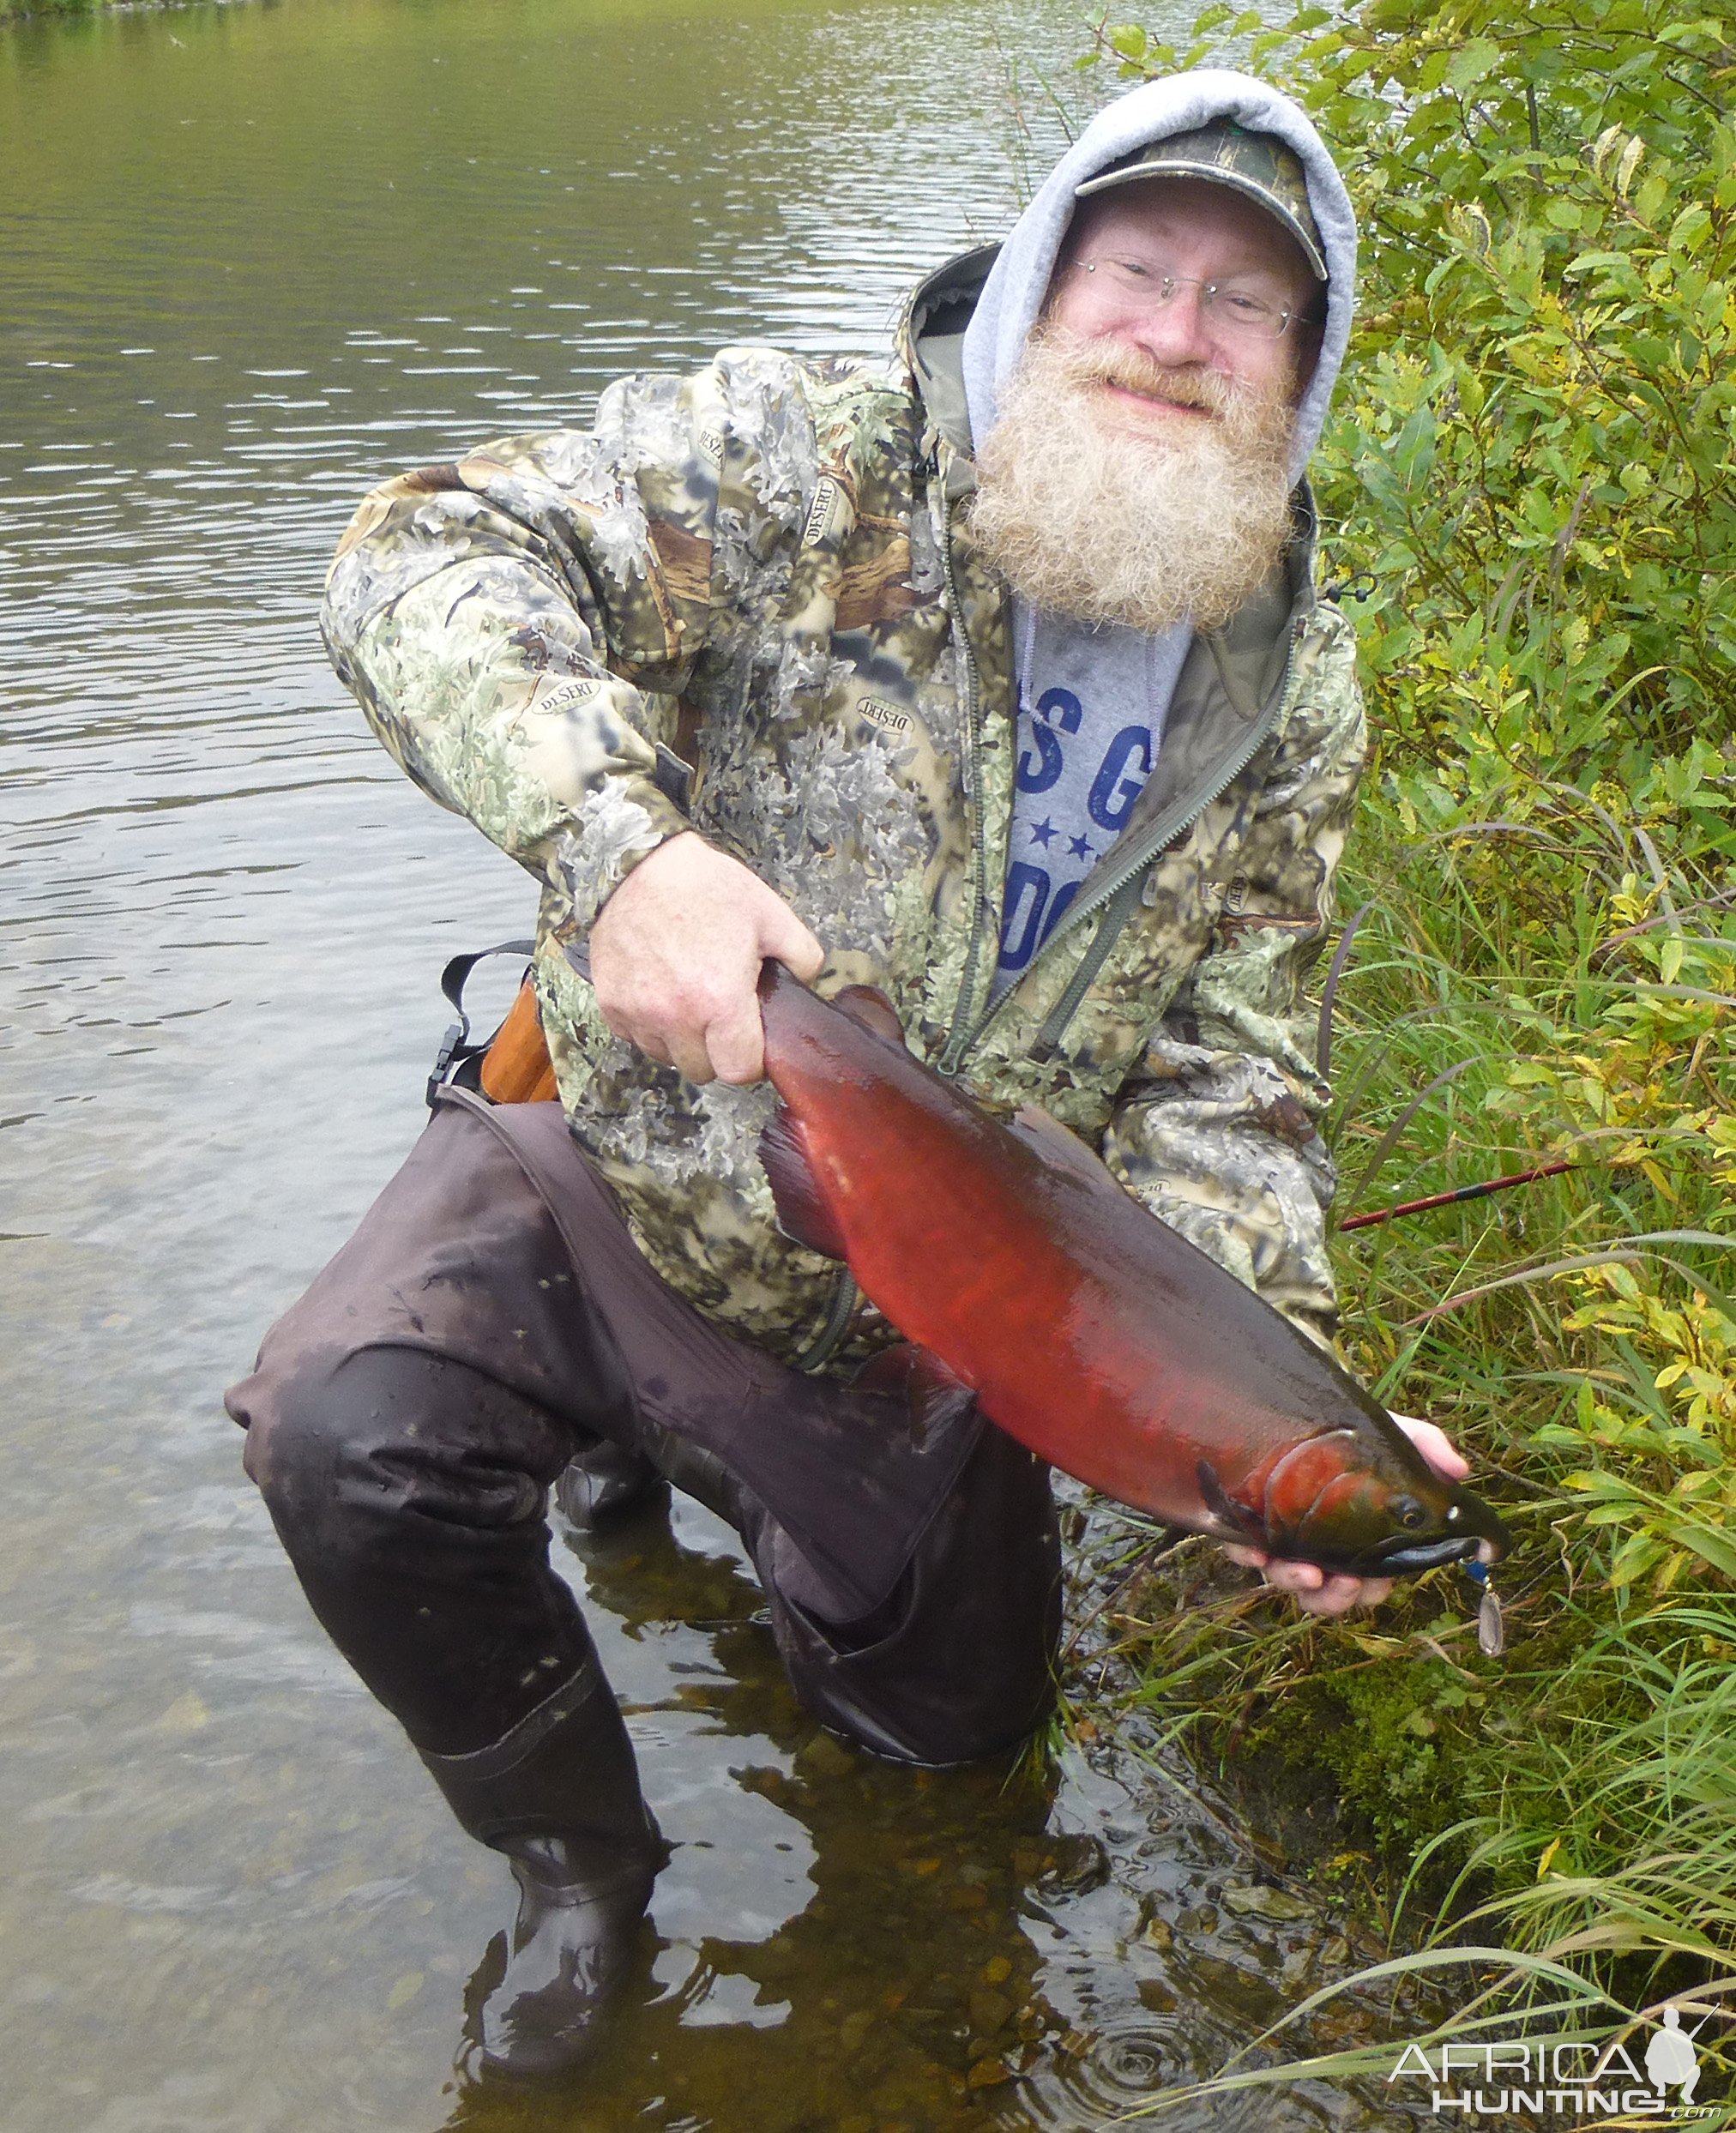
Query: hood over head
<point x="1013" y="296"/>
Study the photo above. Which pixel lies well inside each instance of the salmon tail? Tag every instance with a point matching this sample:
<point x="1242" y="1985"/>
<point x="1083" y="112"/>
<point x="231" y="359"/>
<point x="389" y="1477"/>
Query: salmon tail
<point x="930" y="1395"/>
<point x="803" y="1214"/>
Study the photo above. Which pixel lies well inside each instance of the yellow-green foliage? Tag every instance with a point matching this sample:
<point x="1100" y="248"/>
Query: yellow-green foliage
<point x="1529" y="491"/>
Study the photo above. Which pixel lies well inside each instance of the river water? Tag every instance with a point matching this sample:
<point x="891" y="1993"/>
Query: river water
<point x="254" y="258"/>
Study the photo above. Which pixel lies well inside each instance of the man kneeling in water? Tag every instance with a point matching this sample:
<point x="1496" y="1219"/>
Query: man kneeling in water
<point x="994" y="677"/>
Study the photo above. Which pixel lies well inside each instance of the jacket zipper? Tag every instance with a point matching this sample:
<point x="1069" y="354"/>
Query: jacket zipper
<point x="841" y="1308"/>
<point x="962" y="1033"/>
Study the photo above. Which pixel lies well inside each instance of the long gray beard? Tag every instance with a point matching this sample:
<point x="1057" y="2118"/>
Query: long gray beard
<point x="1085" y="515"/>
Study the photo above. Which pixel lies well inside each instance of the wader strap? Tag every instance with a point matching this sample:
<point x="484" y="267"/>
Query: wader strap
<point x="456" y="1052"/>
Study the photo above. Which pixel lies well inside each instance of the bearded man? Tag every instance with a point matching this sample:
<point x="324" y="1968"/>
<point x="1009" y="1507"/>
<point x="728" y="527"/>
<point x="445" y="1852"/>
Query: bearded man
<point x="1052" y="741"/>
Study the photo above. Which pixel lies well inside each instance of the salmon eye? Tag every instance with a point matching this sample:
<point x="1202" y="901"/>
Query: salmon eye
<point x="1409" y="1513"/>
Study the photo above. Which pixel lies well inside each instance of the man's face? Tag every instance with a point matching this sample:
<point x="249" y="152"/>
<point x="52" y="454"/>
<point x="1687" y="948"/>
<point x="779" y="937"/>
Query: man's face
<point x="1138" y="470"/>
<point x="1122" y="243"/>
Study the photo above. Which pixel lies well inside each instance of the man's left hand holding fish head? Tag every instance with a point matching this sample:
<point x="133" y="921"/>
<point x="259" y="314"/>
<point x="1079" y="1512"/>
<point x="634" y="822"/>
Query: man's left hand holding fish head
<point x="1318" y="1592"/>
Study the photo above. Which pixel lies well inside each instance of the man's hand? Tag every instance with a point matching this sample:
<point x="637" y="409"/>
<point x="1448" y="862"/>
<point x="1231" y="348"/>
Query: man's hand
<point x="1318" y="1592"/>
<point x="676" y="955"/>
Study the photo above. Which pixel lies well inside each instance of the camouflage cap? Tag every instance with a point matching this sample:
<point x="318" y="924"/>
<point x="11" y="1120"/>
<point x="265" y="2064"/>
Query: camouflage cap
<point x="1267" y="170"/>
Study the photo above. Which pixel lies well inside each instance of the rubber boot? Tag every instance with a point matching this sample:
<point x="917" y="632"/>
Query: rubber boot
<point x="558" y="1795"/>
<point x="702" y="1475"/>
<point x="603" y="1481"/>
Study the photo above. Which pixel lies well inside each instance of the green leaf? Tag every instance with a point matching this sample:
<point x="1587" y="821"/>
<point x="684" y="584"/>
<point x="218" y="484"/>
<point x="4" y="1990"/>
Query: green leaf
<point x="1717" y="1548"/>
<point x="1637" y="1555"/>
<point x="1705" y="29"/>
<point x="1691" y="228"/>
<point x="1472" y="62"/>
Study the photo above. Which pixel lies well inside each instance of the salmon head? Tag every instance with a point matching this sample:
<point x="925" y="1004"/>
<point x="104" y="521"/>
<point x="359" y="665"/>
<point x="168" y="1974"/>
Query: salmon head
<point x="1363" y="1499"/>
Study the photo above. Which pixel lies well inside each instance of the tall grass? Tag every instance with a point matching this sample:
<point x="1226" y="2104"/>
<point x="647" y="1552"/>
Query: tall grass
<point x="1573" y="1803"/>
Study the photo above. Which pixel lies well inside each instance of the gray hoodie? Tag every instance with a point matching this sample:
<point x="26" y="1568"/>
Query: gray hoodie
<point x="1099" y="697"/>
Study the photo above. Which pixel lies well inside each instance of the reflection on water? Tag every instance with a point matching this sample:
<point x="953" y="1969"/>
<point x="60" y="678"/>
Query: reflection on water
<point x="254" y="258"/>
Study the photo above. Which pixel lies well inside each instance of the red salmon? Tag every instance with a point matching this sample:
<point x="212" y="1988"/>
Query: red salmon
<point x="1086" y="1327"/>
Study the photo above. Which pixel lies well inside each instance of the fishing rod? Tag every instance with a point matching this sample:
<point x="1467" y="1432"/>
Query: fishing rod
<point x="1451" y="1199"/>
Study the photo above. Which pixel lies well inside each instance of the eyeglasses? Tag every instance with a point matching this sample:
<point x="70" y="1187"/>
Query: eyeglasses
<point x="1233" y="307"/>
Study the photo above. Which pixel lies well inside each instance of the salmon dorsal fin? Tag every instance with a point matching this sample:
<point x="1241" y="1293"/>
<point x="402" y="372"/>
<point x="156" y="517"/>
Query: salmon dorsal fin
<point x="869" y="1007"/>
<point x="919" y="1382"/>
<point x="803" y="1215"/>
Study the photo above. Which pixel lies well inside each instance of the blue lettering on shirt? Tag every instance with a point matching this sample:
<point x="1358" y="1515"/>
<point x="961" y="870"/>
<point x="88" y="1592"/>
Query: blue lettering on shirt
<point x="1064" y="895"/>
<point x="1032" y="914"/>
<point x="1112" y="792"/>
<point x="1028" y="891"/>
<point x="1040" y="888"/>
<point x="1055" y="707"/>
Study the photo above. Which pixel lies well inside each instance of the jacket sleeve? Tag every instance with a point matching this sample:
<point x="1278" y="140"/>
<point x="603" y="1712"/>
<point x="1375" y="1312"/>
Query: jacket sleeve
<point x="1215" y="1129"/>
<point x="518" y="627"/>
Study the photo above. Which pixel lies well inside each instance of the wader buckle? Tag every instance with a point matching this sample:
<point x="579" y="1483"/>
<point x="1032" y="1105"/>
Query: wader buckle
<point x="458" y="1060"/>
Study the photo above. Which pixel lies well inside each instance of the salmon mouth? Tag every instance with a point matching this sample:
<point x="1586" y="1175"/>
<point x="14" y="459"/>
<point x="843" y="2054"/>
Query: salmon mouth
<point x="1401" y="1559"/>
<point x="1400" y="1556"/>
<point x="1476" y="1535"/>
<point x="1481" y="1538"/>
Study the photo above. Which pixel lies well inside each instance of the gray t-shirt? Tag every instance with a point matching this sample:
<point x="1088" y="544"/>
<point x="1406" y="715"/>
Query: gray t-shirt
<point x="1091" y="710"/>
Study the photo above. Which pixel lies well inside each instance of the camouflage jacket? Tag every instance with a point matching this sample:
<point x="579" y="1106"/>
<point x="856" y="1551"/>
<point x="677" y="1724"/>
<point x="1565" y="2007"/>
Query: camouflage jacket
<point x="744" y="603"/>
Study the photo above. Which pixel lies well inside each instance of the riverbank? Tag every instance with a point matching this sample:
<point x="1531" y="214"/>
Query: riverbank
<point x="1529" y="494"/>
<point x="31" y="10"/>
<point x="62" y="10"/>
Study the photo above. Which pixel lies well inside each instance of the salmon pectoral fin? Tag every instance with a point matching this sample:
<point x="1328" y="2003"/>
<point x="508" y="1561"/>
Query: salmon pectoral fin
<point x="1224" y="1507"/>
<point x="869" y="1007"/>
<point x="930" y="1394"/>
<point x="803" y="1214"/>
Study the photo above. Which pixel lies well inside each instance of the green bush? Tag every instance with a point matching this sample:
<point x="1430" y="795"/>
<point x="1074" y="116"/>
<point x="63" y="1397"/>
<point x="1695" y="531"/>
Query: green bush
<point x="1530" y="493"/>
